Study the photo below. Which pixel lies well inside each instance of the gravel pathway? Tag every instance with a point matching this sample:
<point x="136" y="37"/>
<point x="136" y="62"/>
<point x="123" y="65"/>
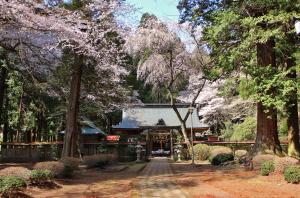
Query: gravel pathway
<point x="156" y="181"/>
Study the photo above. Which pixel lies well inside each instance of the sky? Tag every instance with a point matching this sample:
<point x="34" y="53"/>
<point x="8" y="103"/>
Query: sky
<point x="164" y="9"/>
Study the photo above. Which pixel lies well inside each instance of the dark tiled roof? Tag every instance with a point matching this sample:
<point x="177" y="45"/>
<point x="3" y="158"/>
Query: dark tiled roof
<point x="153" y="116"/>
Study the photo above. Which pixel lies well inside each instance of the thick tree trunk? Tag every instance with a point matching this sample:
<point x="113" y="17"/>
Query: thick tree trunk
<point x="292" y="110"/>
<point x="267" y="133"/>
<point x="71" y="138"/>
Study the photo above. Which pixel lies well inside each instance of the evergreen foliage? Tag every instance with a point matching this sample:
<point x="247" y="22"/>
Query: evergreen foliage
<point x="292" y="174"/>
<point x="232" y="30"/>
<point x="221" y="158"/>
<point x="10" y="184"/>
<point x="266" y="168"/>
<point x="240" y="132"/>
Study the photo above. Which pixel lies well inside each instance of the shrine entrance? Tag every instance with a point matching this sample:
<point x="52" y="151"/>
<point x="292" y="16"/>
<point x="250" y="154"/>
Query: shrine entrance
<point x="160" y="143"/>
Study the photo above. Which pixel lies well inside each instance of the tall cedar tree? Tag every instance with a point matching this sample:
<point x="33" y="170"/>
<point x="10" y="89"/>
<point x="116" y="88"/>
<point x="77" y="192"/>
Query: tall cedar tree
<point x="249" y="37"/>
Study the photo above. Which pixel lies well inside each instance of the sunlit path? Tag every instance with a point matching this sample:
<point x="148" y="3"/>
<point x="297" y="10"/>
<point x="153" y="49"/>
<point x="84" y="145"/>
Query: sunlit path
<point x="156" y="180"/>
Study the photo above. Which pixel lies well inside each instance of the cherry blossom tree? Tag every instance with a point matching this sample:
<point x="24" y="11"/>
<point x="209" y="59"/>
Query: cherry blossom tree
<point x="89" y="33"/>
<point x="165" y="63"/>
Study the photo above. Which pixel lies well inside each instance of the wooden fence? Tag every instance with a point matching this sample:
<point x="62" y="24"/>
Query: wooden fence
<point x="44" y="151"/>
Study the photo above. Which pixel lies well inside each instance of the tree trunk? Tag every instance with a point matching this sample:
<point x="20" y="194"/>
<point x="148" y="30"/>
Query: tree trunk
<point x="184" y="133"/>
<point x="292" y="110"/>
<point x="5" y="121"/>
<point x="20" y="118"/>
<point x="267" y="133"/>
<point x="70" y="146"/>
<point x="182" y="121"/>
<point x="3" y="77"/>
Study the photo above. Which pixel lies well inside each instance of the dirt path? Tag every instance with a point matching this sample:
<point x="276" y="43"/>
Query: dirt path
<point x="156" y="181"/>
<point x="206" y="181"/>
<point x="92" y="183"/>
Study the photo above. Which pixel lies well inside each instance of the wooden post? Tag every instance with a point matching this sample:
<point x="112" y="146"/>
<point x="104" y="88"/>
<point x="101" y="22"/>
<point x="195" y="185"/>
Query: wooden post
<point x="171" y="141"/>
<point x="147" y="144"/>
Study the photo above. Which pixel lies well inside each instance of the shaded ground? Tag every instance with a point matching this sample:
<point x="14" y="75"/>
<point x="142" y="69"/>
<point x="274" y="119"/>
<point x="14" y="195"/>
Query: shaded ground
<point x="205" y="181"/>
<point x="163" y="179"/>
<point x="156" y="180"/>
<point x="93" y="183"/>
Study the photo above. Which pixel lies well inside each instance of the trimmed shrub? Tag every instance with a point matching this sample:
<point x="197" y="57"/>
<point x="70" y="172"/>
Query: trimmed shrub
<point x="21" y="172"/>
<point x="258" y="160"/>
<point x="93" y="161"/>
<point x="11" y="184"/>
<point x="40" y="176"/>
<point x="281" y="163"/>
<point x="292" y="174"/>
<point x="221" y="158"/>
<point x="216" y="150"/>
<point x="266" y="168"/>
<point x="201" y="152"/>
<point x="56" y="168"/>
<point x="239" y="154"/>
<point x="71" y="162"/>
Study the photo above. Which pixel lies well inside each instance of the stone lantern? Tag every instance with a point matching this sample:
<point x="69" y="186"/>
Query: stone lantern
<point x="139" y="149"/>
<point x="178" y="149"/>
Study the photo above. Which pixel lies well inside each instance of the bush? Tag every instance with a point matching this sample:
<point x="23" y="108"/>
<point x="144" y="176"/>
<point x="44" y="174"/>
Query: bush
<point x="71" y="162"/>
<point x="240" y="132"/>
<point x="21" y="172"/>
<point x="216" y="150"/>
<point x="93" y="161"/>
<point x="266" y="168"/>
<point x="185" y="154"/>
<point x="40" y="176"/>
<point x="11" y="184"/>
<point x="244" y="131"/>
<point x="258" y="160"/>
<point x="239" y="154"/>
<point x="292" y="174"/>
<point x="281" y="163"/>
<point x="68" y="171"/>
<point x="201" y="152"/>
<point x="56" y="168"/>
<point x="228" y="131"/>
<point x="221" y="158"/>
<point x="283" y="128"/>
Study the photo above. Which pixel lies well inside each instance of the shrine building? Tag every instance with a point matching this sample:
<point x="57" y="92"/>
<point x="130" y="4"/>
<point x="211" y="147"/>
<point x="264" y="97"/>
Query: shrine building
<point x="156" y="126"/>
